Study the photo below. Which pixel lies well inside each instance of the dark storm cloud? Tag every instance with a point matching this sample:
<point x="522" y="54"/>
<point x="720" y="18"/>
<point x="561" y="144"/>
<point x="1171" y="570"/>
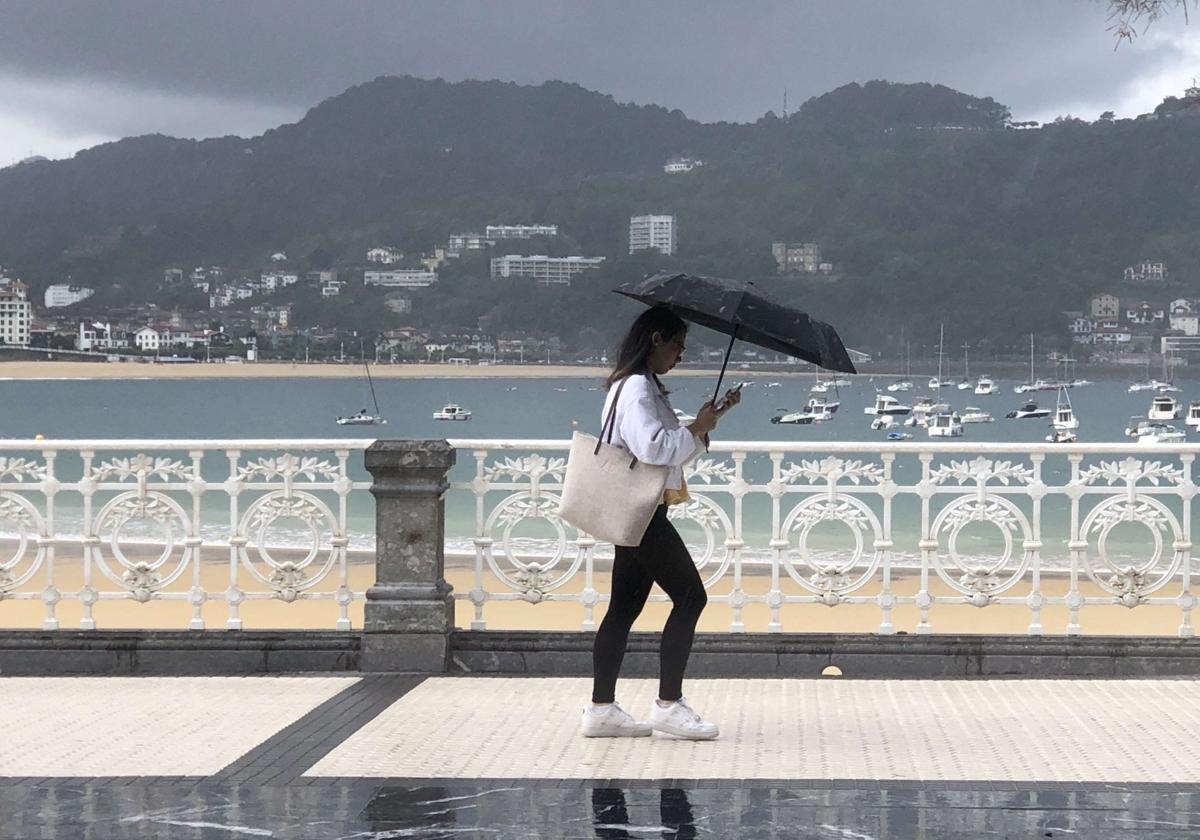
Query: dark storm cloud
<point x="714" y="60"/>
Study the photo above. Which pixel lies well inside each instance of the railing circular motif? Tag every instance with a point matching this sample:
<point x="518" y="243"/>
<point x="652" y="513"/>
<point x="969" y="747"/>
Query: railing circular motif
<point x="836" y="577"/>
<point x="19" y="514"/>
<point x="143" y="578"/>
<point x="289" y="579"/>
<point x="981" y="578"/>
<point x="1132" y="582"/>
<point x="530" y="576"/>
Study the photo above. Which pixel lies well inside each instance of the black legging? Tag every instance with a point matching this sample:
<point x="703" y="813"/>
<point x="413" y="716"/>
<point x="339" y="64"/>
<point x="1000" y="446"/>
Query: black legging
<point x="661" y="558"/>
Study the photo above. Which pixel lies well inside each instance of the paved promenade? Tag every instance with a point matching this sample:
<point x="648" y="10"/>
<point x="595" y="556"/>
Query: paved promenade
<point x="400" y="756"/>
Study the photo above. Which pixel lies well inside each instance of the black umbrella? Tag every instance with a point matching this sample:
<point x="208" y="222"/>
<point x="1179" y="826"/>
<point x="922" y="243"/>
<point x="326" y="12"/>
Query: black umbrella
<point x="739" y="310"/>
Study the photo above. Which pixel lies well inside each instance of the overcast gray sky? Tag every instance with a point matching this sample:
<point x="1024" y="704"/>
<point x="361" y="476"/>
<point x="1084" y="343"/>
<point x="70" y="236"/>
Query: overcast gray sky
<point x="74" y="73"/>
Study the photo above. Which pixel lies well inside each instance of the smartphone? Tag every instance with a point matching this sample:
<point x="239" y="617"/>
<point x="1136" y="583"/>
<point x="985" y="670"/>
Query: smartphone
<point x="736" y="388"/>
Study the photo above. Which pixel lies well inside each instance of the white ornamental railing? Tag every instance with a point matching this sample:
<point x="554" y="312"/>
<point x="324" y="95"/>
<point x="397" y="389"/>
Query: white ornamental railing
<point x="197" y="521"/>
<point x="905" y="508"/>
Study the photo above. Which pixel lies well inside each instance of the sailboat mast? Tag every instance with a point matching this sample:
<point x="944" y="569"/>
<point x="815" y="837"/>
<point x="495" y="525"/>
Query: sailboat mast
<point x="941" y="342"/>
<point x="371" y="383"/>
<point x="1031" y="358"/>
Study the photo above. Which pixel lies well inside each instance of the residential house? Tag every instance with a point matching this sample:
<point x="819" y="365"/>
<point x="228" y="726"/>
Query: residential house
<point x="1146" y="272"/>
<point x="1185" y="321"/>
<point x="173" y="276"/>
<point x="150" y="339"/>
<point x="332" y="288"/>
<point x="459" y="242"/>
<point x="1146" y="315"/>
<point x="400" y="278"/>
<point x="99" y="337"/>
<point x="799" y="257"/>
<point x="384" y="255"/>
<point x="1112" y="336"/>
<point x="1105" y="306"/>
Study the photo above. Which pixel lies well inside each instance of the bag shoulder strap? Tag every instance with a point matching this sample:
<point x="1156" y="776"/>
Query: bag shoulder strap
<point x="611" y="421"/>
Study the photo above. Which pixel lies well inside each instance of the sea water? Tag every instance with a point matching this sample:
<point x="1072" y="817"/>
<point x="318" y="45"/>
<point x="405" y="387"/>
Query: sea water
<point x="291" y="408"/>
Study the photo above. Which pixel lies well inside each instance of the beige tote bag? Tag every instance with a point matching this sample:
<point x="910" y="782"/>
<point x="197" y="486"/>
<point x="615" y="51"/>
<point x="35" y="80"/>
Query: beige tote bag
<point x="607" y="492"/>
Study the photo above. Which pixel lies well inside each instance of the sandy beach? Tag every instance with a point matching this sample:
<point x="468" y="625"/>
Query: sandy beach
<point x="950" y="616"/>
<point x="284" y="370"/>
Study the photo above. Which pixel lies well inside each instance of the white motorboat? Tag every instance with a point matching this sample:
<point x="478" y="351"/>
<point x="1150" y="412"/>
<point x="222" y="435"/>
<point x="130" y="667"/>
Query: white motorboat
<point x="985" y="387"/>
<point x="1193" y="415"/>
<point x="794" y="418"/>
<point x="936" y="383"/>
<point x="1136" y="427"/>
<point x="1061" y="436"/>
<point x="452" y="411"/>
<point x="887" y="405"/>
<point x="820" y="387"/>
<point x="1079" y="383"/>
<point x="1163" y="407"/>
<point x="683" y="416"/>
<point x="883" y="421"/>
<point x="977" y="415"/>
<point x="773" y="385"/>
<point x="901" y="386"/>
<point x="1029" y="411"/>
<point x="922" y="408"/>
<point x="1064" y="413"/>
<point x="945" y="423"/>
<point x="1155" y="433"/>
<point x="1142" y="385"/>
<point x="821" y="408"/>
<point x="1166" y="388"/>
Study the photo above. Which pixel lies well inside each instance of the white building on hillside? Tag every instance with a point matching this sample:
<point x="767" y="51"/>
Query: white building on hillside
<point x="549" y="271"/>
<point x="460" y="242"/>
<point x="520" y="231"/>
<point x="403" y="278"/>
<point x="652" y="232"/>
<point x="63" y="294"/>
<point x="384" y="255"/>
<point x="16" y="314"/>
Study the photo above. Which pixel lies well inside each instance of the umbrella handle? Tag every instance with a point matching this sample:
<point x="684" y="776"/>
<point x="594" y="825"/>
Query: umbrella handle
<point x="724" y="364"/>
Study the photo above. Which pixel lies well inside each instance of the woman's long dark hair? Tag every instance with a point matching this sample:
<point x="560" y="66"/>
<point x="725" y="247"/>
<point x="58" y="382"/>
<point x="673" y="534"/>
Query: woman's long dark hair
<point x="635" y="348"/>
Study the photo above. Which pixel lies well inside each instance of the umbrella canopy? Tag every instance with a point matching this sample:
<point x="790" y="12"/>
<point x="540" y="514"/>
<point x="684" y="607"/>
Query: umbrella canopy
<point x="737" y="309"/>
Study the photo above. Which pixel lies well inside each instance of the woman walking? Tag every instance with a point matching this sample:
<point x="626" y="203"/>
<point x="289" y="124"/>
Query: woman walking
<point x="646" y="425"/>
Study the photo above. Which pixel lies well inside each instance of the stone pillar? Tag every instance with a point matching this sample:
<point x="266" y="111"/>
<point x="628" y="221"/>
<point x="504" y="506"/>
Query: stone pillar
<point x="409" y="611"/>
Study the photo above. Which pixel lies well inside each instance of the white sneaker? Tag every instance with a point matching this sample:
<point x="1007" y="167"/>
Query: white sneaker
<point x="680" y="720"/>
<point x="611" y="721"/>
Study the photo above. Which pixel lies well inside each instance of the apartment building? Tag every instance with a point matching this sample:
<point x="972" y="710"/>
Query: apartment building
<point x="652" y="232"/>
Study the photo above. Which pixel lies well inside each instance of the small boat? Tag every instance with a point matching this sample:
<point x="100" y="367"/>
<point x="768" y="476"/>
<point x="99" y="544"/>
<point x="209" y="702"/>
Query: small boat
<point x="362" y="417"/>
<point x="977" y="415"/>
<point x="452" y="411"/>
<point x="1064" y="413"/>
<point x="1061" y="436"/>
<point x="1166" y="388"/>
<point x="887" y="405"/>
<point x="883" y="421"/>
<point x="922" y="408"/>
<point x="683" y="416"/>
<point x="841" y="382"/>
<point x="936" y="382"/>
<point x="1163" y="407"/>
<point x="794" y="418"/>
<point x="1035" y="385"/>
<point x="1029" y="411"/>
<point x="1193" y="415"/>
<point x="901" y="386"/>
<point x="561" y="390"/>
<point x="820" y="387"/>
<point x="899" y="435"/>
<point x="985" y="387"/>
<point x="1079" y="383"/>
<point x="945" y="423"/>
<point x="1136" y="426"/>
<point x="1142" y="385"/>
<point x="773" y="385"/>
<point x="821" y="406"/>
<point x="1155" y="433"/>
<point x="965" y="383"/>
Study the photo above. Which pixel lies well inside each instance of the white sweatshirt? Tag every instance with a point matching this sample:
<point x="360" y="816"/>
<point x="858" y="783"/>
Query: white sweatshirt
<point x="647" y="427"/>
